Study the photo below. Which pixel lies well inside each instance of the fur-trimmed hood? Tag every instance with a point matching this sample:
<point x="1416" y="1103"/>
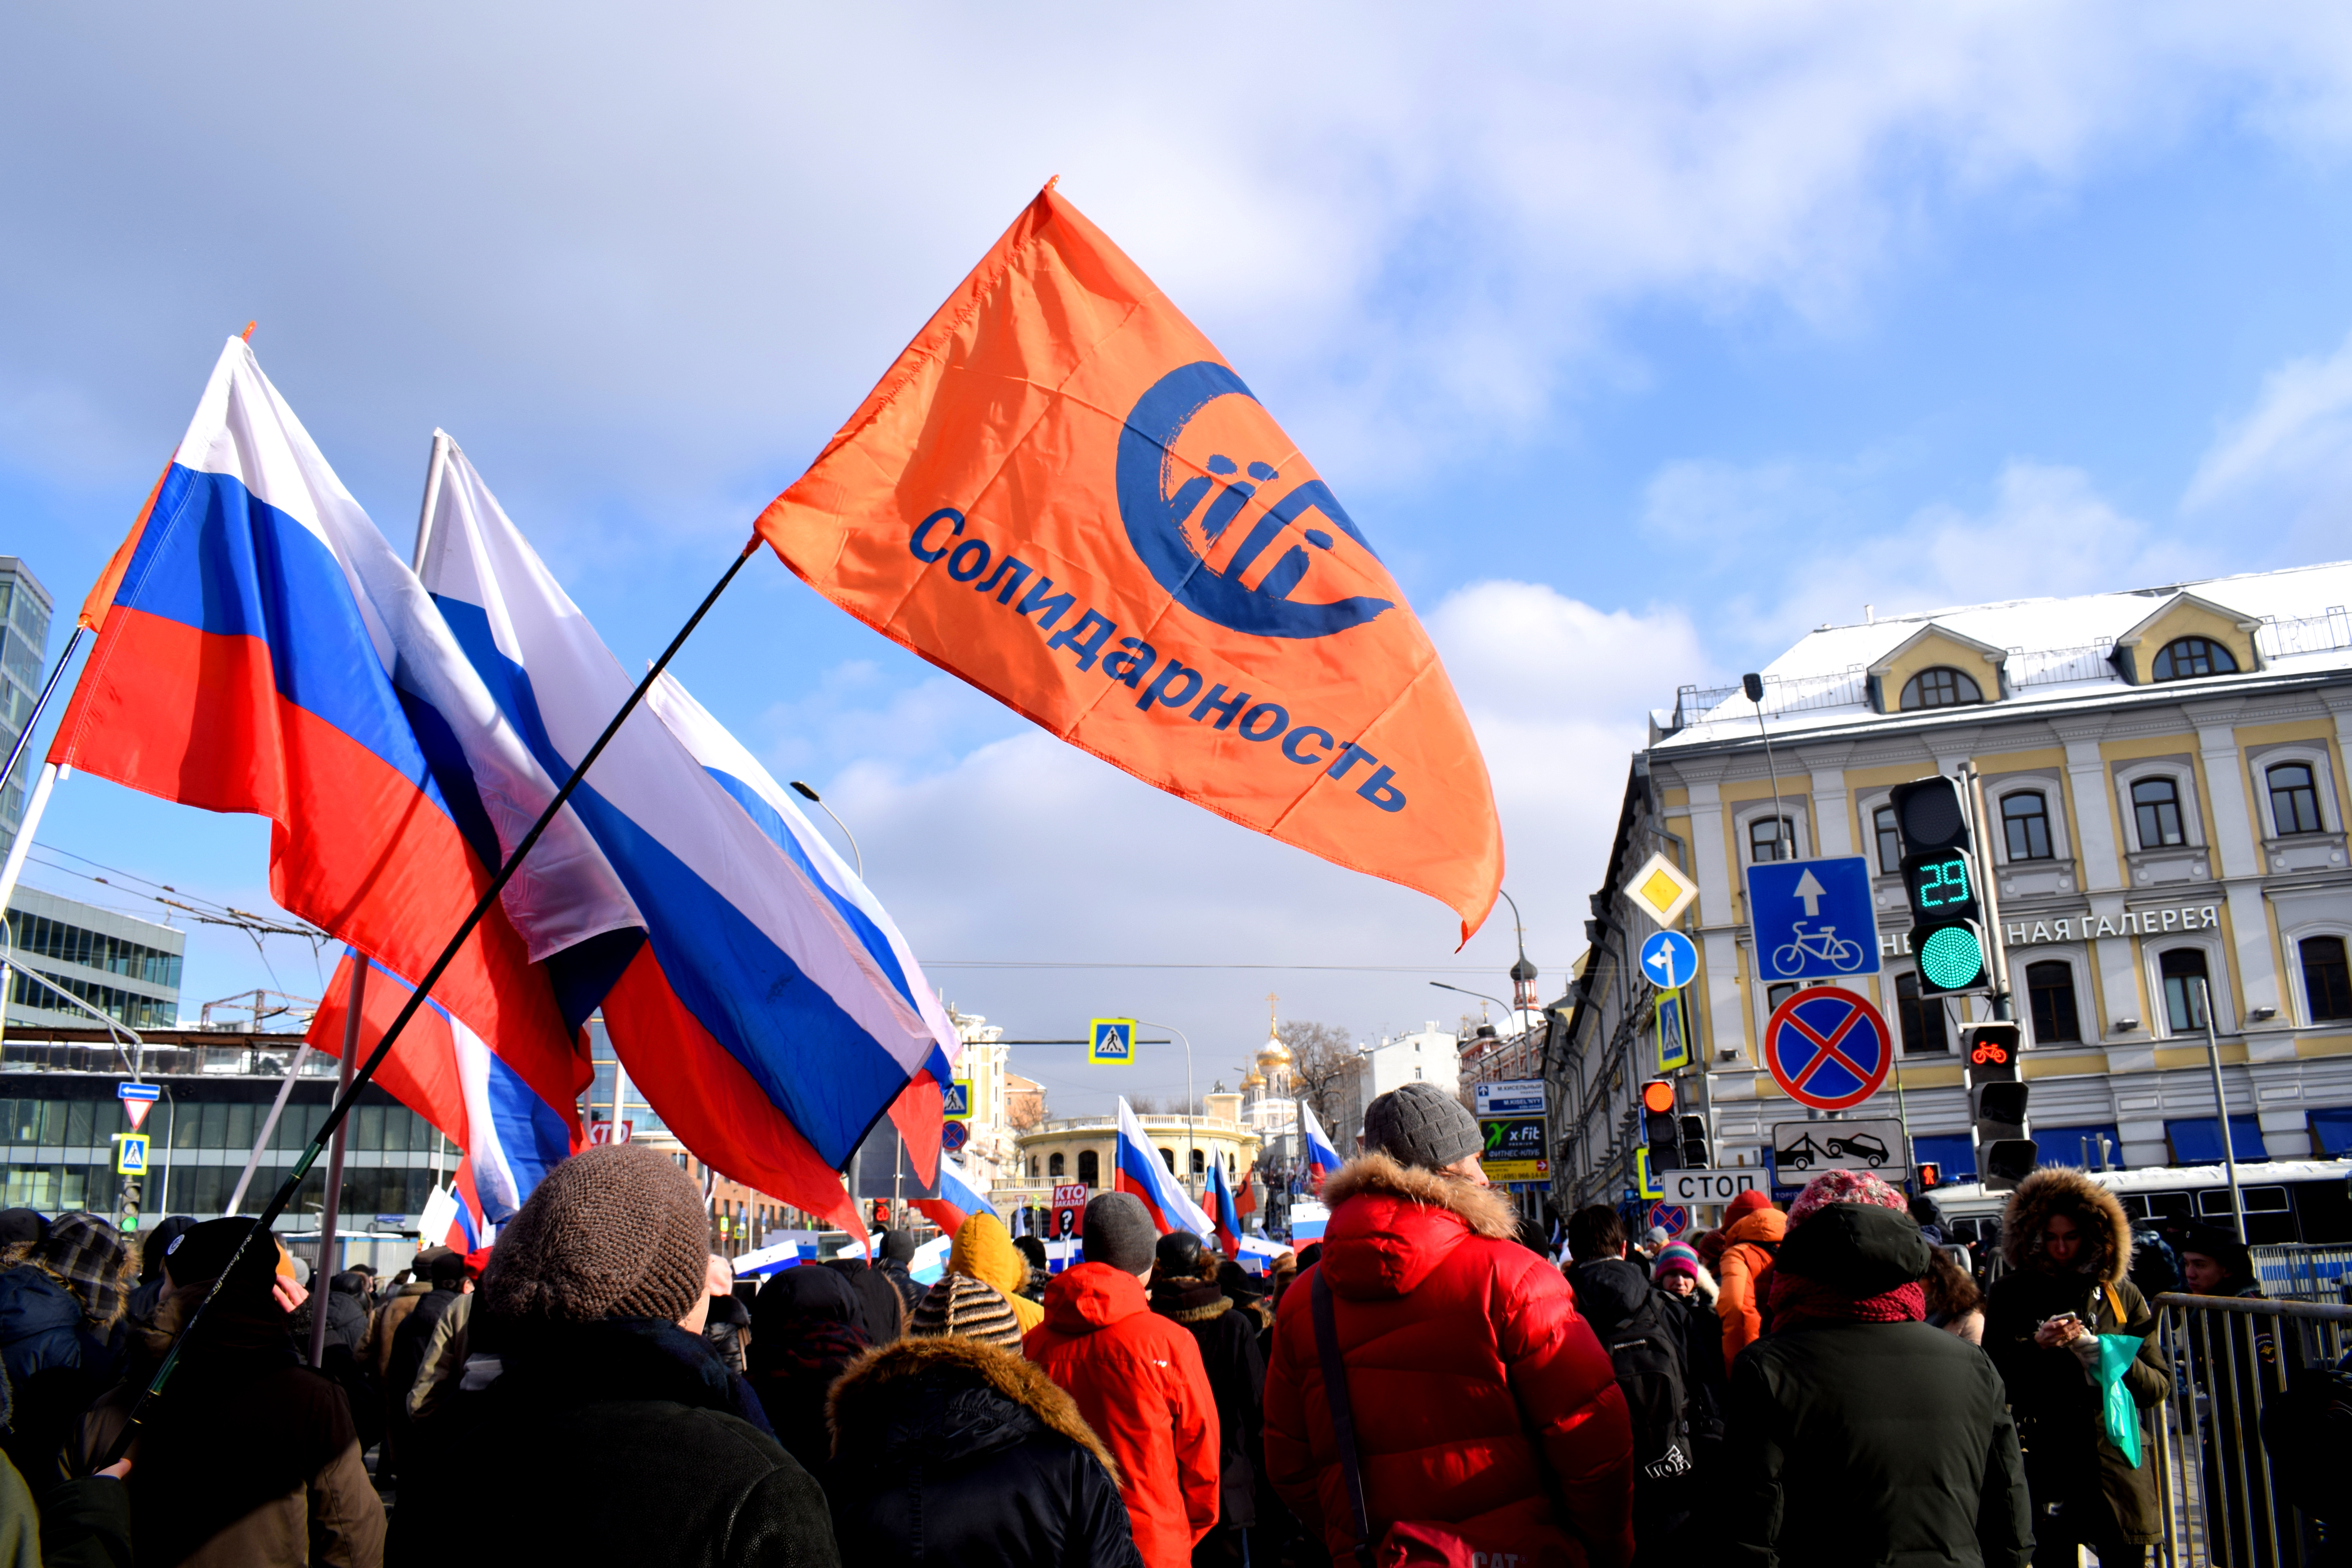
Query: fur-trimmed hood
<point x="1391" y="1225"/>
<point x="2060" y="1189"/>
<point x="1486" y="1212"/>
<point x="872" y="1396"/>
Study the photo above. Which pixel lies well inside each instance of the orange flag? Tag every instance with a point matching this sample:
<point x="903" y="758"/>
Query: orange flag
<point x="1063" y="494"/>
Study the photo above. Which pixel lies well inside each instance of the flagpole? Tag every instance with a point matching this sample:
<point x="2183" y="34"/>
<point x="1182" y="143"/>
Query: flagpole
<point x="269" y="1126"/>
<point x="482" y="906"/>
<point x="330" y="1208"/>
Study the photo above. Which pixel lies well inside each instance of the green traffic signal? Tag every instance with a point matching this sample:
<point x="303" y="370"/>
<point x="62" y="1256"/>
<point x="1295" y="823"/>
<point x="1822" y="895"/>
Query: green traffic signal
<point x="1951" y="957"/>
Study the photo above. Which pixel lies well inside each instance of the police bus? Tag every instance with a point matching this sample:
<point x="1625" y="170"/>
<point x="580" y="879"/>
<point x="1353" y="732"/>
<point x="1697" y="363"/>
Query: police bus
<point x="2287" y="1201"/>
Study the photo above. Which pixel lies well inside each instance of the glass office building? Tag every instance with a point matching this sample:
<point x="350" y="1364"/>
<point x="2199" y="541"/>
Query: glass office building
<point x="24" y="646"/>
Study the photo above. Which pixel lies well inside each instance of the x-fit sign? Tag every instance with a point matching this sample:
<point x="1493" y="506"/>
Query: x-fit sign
<point x="1828" y="1047"/>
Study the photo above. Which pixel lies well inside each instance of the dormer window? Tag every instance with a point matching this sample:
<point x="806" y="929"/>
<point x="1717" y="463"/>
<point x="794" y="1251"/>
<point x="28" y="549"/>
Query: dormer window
<point x="1941" y="687"/>
<point x="2186" y="659"/>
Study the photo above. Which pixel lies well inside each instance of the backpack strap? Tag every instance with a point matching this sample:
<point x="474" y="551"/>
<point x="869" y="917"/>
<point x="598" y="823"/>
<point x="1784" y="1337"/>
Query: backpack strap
<point x="1343" y="1416"/>
<point x="2116" y="1305"/>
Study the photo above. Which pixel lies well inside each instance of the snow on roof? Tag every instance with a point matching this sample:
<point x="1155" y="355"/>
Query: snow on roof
<point x="2058" y="648"/>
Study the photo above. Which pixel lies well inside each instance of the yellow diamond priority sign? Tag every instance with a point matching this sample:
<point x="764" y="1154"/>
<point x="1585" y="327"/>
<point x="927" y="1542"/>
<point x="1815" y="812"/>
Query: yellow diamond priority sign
<point x="1661" y="890"/>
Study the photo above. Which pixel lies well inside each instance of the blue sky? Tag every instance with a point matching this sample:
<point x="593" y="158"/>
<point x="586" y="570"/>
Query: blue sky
<point x="1638" y="343"/>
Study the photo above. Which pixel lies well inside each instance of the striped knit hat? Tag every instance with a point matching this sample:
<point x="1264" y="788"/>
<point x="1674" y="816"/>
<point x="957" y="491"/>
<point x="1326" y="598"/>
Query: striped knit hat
<point x="963" y="1306"/>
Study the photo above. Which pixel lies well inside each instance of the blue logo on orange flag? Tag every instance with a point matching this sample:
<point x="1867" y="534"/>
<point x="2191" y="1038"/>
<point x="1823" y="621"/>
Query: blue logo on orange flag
<point x="1240" y="582"/>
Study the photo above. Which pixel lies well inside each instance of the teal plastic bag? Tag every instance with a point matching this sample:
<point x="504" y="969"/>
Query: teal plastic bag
<point x="2116" y="1353"/>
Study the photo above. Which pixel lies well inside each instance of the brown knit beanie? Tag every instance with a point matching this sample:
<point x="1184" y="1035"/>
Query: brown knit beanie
<point x="615" y="1231"/>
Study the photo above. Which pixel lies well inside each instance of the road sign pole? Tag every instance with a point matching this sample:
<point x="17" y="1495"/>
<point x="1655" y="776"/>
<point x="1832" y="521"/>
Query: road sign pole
<point x="1988" y="892"/>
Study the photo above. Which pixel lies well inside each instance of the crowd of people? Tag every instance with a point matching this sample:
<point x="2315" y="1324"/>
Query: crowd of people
<point x="1436" y="1381"/>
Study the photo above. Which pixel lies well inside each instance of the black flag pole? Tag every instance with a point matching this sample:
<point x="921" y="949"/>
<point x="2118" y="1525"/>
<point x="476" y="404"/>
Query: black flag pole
<point x="359" y="1080"/>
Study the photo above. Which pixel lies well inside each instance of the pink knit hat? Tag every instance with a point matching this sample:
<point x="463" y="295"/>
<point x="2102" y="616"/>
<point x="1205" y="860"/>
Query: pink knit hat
<point x="1845" y="1187"/>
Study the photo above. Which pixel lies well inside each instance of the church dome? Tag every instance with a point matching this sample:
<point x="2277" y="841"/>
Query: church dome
<point x="1274" y="1054"/>
<point x="1253" y="1080"/>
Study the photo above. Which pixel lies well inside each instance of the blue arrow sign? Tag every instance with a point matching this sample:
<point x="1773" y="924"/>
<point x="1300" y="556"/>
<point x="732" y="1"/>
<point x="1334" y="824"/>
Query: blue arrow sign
<point x="1669" y="960"/>
<point x="1812" y="919"/>
<point x="146" y="1091"/>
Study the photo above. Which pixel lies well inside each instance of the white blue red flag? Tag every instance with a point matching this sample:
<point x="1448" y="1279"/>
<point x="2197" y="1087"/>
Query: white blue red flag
<point x="1138" y="1168"/>
<point x="957" y="1200"/>
<point x="918" y="1110"/>
<point x="442" y="1070"/>
<point x="1223" y="1211"/>
<point x="1321" y="1158"/>
<point x="755" y="1019"/>
<point x="260" y="650"/>
<point x="453" y="1218"/>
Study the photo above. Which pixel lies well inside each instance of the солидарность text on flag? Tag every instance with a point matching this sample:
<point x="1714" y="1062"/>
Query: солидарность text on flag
<point x="260" y="648"/>
<point x="763" y="1014"/>
<point x="1064" y="495"/>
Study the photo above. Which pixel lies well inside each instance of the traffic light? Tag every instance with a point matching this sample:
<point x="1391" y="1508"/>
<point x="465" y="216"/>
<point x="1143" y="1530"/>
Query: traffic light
<point x="1997" y="1096"/>
<point x="1695" y="1151"/>
<point x="1939" y="884"/>
<point x="1661" y="1132"/>
<point x="881" y="1214"/>
<point x="1931" y="1175"/>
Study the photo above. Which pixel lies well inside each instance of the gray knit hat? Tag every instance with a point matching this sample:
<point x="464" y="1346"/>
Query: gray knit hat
<point x="615" y="1231"/>
<point x="1420" y="1125"/>
<point x="1119" y="1232"/>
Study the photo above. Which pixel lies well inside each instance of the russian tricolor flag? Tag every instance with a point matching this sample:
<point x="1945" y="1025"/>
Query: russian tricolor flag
<point x="1321" y="1158"/>
<point x="454" y="1216"/>
<point x="1222" y="1210"/>
<point x="957" y="1200"/>
<point x="758" y="1018"/>
<point x="1138" y="1168"/>
<point x="918" y="1110"/>
<point x="250" y="633"/>
<point x="511" y="1132"/>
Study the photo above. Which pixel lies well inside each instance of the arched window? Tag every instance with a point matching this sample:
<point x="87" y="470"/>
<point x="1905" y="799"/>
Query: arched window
<point x="2157" y="803"/>
<point x="1942" y="687"/>
<point x="1890" y="841"/>
<point x="2327" y="978"/>
<point x="1090" y="1167"/>
<point x="1921" y="1018"/>
<point x="2185" y="980"/>
<point x="1168" y="1158"/>
<point x="1200" y="1163"/>
<point x="2052" y="987"/>
<point x="1033" y="1167"/>
<point x="2294" y="801"/>
<point x="2026" y="817"/>
<point x="2186" y="659"/>
<point x="1771" y="839"/>
<point x="1054" y="1166"/>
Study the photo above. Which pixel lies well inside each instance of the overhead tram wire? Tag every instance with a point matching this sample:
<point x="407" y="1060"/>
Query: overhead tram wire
<point x="930" y="964"/>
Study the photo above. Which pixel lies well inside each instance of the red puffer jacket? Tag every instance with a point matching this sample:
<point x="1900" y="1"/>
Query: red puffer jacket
<point x="1139" y="1381"/>
<point x="1477" y="1389"/>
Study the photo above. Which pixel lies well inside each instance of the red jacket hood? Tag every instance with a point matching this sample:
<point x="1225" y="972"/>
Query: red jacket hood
<point x="1391" y="1225"/>
<point x="1093" y="1296"/>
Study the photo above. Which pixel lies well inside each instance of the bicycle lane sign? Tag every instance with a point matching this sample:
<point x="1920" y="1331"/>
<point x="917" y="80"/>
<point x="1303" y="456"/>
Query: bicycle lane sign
<point x="1812" y="919"/>
<point x="1828" y="1047"/>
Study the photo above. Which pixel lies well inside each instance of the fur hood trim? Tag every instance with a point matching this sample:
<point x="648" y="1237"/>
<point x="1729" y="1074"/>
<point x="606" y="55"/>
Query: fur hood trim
<point x="1006" y="1373"/>
<point x="1707" y="1288"/>
<point x="2059" y="1188"/>
<point x="1486" y="1212"/>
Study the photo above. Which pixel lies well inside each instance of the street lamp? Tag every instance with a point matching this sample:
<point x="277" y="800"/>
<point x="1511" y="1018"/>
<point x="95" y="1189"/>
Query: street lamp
<point x="818" y="801"/>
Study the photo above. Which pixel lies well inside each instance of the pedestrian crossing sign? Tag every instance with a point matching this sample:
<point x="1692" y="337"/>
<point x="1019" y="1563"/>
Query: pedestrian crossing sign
<point x="956" y="1102"/>
<point x="131" y="1154"/>
<point x="1645" y="1181"/>
<point x="1110" y="1042"/>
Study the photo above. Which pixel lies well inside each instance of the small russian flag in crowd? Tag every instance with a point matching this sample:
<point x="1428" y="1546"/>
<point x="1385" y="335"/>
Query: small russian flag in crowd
<point x="453" y="1216"/>
<point x="1139" y="1169"/>
<point x="1222" y="1210"/>
<point x="957" y="1200"/>
<point x="1321" y="1158"/>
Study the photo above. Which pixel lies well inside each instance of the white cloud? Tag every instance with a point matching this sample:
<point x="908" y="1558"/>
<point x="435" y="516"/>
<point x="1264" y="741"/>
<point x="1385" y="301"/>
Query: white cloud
<point x="686" y="242"/>
<point x="1027" y="848"/>
<point x="2288" y="459"/>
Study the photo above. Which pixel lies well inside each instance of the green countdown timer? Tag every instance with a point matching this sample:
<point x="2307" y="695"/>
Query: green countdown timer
<point x="1951" y="958"/>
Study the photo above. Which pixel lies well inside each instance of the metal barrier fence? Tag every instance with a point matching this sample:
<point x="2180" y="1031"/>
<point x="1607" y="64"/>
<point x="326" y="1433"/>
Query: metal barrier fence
<point x="2321" y="1273"/>
<point x="2223" y="1499"/>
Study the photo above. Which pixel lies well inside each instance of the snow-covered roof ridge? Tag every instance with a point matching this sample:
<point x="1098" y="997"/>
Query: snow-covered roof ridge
<point x="2056" y="646"/>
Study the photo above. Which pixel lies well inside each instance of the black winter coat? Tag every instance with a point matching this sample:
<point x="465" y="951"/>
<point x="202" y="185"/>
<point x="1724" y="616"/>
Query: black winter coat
<point x="346" y="1314"/>
<point x="1869" y="1443"/>
<point x="1643" y="1333"/>
<point x="950" y="1451"/>
<point x="631" y="1444"/>
<point x="55" y="1365"/>
<point x="1236" y="1370"/>
<point x="881" y="1311"/>
<point x="909" y="1292"/>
